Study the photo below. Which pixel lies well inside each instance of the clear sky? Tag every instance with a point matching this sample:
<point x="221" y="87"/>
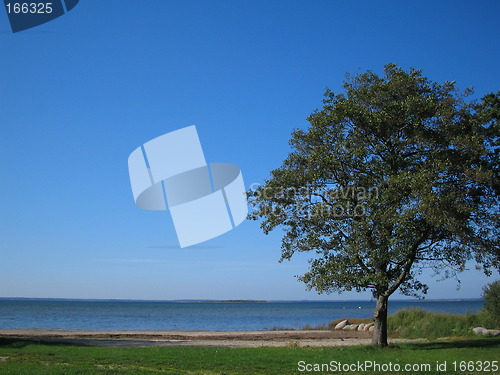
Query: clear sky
<point x="80" y="93"/>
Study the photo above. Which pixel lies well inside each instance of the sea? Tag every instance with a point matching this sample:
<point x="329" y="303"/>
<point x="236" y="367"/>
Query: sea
<point x="117" y="315"/>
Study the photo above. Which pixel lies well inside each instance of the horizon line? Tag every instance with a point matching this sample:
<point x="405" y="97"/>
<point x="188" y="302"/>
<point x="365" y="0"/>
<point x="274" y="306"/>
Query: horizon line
<point x="194" y="300"/>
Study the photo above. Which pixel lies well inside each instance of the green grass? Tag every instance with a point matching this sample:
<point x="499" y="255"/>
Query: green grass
<point x="22" y="357"/>
<point x="416" y="323"/>
<point x="419" y="323"/>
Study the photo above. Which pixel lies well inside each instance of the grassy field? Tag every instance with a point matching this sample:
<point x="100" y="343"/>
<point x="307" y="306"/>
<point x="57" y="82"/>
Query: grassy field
<point x="22" y="357"/>
<point x="416" y="323"/>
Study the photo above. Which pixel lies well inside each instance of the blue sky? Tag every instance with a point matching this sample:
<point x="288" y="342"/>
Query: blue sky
<point x="80" y="93"/>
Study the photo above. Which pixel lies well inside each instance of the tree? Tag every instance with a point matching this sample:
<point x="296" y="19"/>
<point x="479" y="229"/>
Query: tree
<point x="395" y="175"/>
<point x="491" y="296"/>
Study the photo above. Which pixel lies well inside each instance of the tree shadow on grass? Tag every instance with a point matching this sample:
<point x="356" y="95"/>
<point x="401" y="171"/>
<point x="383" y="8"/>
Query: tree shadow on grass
<point x="21" y="342"/>
<point x="454" y="344"/>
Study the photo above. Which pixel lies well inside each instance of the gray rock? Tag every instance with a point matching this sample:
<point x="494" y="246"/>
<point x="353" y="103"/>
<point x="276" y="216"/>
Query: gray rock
<point x="486" y="332"/>
<point x="368" y="326"/>
<point x="479" y="330"/>
<point x="342" y="324"/>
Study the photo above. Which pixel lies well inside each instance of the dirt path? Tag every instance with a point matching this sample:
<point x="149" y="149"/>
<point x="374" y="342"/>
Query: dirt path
<point x="199" y="338"/>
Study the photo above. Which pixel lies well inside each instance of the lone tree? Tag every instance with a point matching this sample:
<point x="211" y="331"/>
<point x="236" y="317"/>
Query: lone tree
<point x="395" y="175"/>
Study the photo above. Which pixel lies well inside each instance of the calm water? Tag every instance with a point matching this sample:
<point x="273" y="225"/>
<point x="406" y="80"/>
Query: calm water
<point x="135" y="315"/>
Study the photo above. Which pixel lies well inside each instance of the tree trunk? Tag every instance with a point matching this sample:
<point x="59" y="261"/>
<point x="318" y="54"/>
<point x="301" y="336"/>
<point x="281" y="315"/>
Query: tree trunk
<point x="380" y="333"/>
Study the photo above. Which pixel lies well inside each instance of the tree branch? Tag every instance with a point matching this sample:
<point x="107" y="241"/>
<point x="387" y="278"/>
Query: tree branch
<point x="362" y="264"/>
<point x="410" y="259"/>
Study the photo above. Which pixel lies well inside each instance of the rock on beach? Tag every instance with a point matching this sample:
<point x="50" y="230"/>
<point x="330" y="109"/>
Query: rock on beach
<point x="342" y="324"/>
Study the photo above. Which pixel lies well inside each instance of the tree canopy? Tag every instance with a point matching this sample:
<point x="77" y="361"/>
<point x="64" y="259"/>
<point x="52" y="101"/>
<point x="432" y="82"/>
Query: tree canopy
<point x="394" y="175"/>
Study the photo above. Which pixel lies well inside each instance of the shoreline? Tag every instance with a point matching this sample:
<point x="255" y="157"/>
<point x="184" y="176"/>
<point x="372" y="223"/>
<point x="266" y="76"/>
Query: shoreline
<point x="313" y="338"/>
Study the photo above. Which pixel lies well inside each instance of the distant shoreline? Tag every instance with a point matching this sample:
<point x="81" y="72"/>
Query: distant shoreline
<point x="42" y="299"/>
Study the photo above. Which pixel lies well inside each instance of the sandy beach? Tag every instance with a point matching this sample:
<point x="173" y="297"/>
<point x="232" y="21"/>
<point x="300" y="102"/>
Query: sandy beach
<point x="313" y="338"/>
<point x="249" y="339"/>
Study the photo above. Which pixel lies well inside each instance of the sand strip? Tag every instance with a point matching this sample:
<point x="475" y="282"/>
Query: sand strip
<point x="198" y="338"/>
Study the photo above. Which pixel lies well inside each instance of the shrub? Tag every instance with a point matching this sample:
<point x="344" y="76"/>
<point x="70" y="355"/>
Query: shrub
<point x="418" y="323"/>
<point x="491" y="306"/>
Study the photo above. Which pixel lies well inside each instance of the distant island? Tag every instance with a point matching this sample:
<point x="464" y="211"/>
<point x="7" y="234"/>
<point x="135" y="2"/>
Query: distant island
<point x="224" y="301"/>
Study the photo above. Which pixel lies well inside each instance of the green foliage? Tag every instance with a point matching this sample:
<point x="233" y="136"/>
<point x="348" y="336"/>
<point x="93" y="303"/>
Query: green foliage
<point x="395" y="175"/>
<point x="419" y="323"/>
<point x="491" y="296"/>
